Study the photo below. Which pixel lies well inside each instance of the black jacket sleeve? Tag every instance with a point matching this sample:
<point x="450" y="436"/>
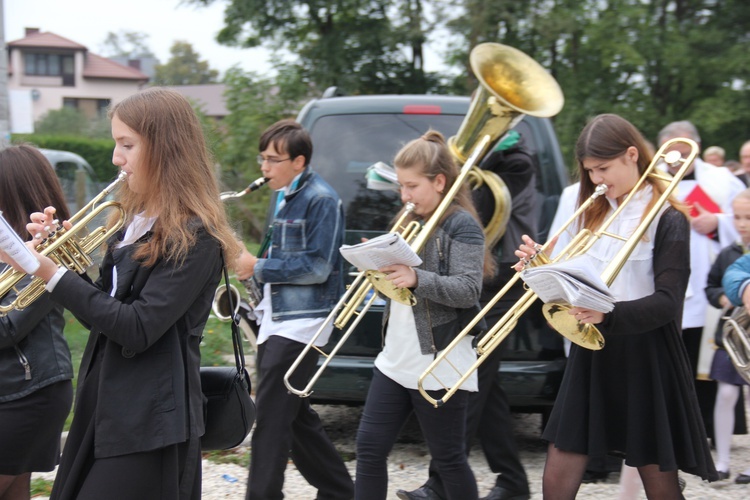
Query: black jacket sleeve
<point x="671" y="274"/>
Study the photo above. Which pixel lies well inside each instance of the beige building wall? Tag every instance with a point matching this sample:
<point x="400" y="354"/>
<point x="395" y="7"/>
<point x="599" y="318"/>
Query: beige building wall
<point x="47" y="93"/>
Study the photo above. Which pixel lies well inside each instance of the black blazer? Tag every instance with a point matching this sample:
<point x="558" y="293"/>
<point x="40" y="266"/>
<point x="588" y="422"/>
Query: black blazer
<point x="147" y="341"/>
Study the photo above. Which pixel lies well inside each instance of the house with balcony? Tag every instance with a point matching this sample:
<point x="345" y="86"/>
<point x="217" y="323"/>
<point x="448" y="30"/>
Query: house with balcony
<point x="47" y="71"/>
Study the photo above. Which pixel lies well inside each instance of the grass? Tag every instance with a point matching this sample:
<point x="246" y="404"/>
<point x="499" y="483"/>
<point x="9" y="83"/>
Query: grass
<point x="41" y="487"/>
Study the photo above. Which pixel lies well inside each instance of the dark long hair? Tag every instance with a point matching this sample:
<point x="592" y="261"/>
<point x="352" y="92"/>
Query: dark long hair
<point x="28" y="184"/>
<point x="607" y="137"/>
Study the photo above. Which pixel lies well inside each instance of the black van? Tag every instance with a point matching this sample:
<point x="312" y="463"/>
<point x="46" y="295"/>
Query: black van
<point x="351" y="133"/>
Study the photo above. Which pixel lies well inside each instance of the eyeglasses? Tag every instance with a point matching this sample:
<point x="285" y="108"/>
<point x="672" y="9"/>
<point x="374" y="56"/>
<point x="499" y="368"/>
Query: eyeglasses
<point x="271" y="161"/>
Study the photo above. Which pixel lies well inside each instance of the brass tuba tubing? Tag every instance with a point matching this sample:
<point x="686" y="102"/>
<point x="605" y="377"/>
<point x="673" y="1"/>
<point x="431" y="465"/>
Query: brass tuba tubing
<point x="66" y="248"/>
<point x="348" y="307"/>
<point x="737" y="341"/>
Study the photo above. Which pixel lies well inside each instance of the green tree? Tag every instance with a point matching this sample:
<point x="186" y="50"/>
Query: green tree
<point x="363" y="46"/>
<point x="72" y="122"/>
<point x="650" y="61"/>
<point x="254" y="103"/>
<point x="184" y="67"/>
<point x="130" y="44"/>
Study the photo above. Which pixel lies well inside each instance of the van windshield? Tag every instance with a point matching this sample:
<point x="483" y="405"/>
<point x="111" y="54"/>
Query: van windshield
<point x="345" y="145"/>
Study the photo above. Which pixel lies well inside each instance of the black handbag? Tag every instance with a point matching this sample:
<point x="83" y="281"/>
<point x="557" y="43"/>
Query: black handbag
<point x="229" y="411"/>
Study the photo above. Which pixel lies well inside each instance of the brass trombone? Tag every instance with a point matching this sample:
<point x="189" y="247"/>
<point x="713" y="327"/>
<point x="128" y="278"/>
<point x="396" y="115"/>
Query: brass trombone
<point x="585" y="335"/>
<point x="511" y="85"/>
<point x="66" y="248"/>
<point x="360" y="292"/>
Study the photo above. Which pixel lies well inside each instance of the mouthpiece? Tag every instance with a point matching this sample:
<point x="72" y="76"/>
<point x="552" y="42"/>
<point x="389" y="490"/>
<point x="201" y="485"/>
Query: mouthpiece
<point x="249" y="189"/>
<point x="256" y="184"/>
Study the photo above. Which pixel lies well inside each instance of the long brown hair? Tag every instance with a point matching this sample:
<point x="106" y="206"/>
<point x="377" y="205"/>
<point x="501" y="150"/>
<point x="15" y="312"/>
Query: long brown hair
<point x="607" y="137"/>
<point x="431" y="155"/>
<point x="181" y="180"/>
<point x="28" y="184"/>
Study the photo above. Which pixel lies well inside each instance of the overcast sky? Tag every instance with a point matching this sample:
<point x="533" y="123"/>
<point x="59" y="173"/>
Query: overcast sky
<point x="89" y="21"/>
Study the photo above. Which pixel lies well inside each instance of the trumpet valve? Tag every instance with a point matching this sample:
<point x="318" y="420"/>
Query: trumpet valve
<point x="539" y="259"/>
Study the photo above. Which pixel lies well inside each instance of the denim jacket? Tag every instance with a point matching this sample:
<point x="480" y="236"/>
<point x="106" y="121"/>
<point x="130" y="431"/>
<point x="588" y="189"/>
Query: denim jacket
<point x="305" y="267"/>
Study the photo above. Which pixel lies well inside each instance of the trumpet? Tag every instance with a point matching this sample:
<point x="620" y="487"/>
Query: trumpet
<point x="584" y="335"/>
<point x="66" y="248"/>
<point x="511" y="85"/>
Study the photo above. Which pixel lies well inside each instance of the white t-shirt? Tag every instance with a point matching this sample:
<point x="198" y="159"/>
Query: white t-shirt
<point x="402" y="361"/>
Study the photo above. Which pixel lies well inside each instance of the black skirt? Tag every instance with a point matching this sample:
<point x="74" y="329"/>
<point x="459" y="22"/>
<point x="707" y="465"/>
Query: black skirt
<point x="31" y="428"/>
<point x="723" y="370"/>
<point x="633" y="399"/>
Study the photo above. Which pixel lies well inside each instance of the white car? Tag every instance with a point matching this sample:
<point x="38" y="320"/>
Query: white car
<point x="76" y="176"/>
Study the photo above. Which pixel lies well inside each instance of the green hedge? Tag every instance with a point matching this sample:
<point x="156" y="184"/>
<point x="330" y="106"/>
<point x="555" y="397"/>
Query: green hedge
<point x="98" y="152"/>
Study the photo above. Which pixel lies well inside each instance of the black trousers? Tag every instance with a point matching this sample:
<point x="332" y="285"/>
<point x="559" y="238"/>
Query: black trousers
<point x="287" y="426"/>
<point x="489" y="420"/>
<point x="387" y="408"/>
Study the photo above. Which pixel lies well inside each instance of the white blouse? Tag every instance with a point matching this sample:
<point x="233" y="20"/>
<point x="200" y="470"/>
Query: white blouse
<point x="402" y="361"/>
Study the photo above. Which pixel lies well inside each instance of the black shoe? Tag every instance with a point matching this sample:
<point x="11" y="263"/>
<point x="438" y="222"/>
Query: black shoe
<point x="422" y="493"/>
<point x="501" y="493"/>
<point x="591" y="476"/>
<point x="723" y="475"/>
<point x="742" y="479"/>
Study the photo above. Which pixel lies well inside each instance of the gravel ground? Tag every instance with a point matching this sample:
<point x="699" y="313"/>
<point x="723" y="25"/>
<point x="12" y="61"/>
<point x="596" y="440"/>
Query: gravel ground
<point x="409" y="462"/>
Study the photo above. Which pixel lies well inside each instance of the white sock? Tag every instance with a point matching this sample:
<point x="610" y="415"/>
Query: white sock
<point x="630" y="483"/>
<point x="726" y="398"/>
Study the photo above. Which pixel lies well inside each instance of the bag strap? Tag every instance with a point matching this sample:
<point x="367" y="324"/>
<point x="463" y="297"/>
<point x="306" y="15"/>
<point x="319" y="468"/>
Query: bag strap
<point x="239" y="355"/>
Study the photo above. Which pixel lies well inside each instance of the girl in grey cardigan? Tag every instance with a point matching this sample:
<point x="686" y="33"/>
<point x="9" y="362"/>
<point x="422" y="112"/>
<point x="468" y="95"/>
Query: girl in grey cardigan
<point x="447" y="286"/>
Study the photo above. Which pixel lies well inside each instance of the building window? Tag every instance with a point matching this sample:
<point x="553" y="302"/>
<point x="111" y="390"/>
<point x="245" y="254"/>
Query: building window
<point x="48" y="64"/>
<point x="91" y="108"/>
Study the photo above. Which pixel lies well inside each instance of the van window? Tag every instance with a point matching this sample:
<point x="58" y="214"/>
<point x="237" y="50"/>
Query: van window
<point x="345" y="145"/>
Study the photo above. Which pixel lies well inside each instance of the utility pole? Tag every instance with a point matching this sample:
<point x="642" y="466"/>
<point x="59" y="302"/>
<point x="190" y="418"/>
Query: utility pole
<point x="4" y="103"/>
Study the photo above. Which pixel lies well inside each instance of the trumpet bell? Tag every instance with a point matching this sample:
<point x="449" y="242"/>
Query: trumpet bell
<point x="585" y="335"/>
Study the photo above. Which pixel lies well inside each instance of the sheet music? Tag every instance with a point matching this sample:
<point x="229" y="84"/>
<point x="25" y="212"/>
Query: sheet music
<point x="384" y="250"/>
<point x="12" y="244"/>
<point x="574" y="282"/>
